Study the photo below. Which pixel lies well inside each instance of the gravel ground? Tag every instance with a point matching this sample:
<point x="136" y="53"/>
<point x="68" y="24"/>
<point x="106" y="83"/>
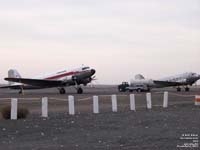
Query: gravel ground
<point x="155" y="129"/>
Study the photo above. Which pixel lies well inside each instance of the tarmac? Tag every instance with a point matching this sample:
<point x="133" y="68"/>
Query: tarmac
<point x="158" y="128"/>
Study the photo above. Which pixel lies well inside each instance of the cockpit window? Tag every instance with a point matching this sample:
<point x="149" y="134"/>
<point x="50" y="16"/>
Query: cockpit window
<point x="85" y="68"/>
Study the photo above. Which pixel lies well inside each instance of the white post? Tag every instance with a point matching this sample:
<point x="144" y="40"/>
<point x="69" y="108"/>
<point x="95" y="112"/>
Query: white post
<point x="44" y="107"/>
<point x="132" y="102"/>
<point x="165" y="101"/>
<point x="13" y="115"/>
<point x="148" y="96"/>
<point x="114" y="103"/>
<point x="95" y="104"/>
<point x="71" y="105"/>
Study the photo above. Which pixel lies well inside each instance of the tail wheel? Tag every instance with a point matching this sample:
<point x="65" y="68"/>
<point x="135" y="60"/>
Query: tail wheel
<point x="79" y="90"/>
<point x="20" y="92"/>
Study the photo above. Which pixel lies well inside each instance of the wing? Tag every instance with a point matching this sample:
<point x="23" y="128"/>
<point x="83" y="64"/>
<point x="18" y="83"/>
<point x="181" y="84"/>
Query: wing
<point x="37" y="82"/>
<point x="167" y="83"/>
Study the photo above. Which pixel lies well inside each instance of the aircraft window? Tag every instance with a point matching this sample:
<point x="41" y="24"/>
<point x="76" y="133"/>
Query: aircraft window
<point x="85" y="68"/>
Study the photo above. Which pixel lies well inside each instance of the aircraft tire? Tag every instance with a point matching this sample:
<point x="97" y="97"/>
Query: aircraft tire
<point x="187" y="89"/>
<point x="79" y="91"/>
<point x="62" y="91"/>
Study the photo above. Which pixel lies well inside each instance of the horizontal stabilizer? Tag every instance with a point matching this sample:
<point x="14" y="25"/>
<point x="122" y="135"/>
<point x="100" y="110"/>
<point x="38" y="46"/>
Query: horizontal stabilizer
<point x="13" y="73"/>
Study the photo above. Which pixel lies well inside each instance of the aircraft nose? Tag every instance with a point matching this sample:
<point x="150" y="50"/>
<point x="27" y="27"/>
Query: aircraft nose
<point x="93" y="71"/>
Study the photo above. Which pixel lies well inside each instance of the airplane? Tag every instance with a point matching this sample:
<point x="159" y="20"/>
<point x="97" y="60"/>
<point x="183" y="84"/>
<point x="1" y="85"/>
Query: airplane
<point x="60" y="79"/>
<point x="185" y="80"/>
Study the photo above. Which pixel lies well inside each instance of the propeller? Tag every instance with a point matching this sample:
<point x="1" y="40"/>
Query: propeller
<point x="93" y="81"/>
<point x="94" y="78"/>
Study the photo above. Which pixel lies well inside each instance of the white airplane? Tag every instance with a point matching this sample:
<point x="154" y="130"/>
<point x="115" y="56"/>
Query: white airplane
<point x="60" y="79"/>
<point x="185" y="79"/>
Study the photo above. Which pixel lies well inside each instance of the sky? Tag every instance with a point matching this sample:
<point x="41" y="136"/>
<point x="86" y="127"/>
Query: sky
<point x="119" y="38"/>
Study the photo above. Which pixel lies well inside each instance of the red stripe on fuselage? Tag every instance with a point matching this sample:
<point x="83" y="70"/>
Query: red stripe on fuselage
<point x="64" y="75"/>
<point x="61" y="75"/>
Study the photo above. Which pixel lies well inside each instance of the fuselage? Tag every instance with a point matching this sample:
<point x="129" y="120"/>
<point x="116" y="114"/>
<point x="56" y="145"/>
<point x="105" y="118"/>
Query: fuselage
<point x="184" y="79"/>
<point x="187" y="78"/>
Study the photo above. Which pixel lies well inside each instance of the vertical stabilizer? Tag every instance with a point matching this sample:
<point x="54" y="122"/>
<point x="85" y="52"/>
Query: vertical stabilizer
<point x="12" y="73"/>
<point x="139" y="77"/>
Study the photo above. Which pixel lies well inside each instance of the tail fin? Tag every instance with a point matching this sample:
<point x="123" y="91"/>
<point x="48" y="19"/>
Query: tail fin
<point x="12" y="73"/>
<point x="139" y="77"/>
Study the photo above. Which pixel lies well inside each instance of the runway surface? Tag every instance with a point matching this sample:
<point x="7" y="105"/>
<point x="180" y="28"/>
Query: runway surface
<point x="57" y="102"/>
<point x="158" y="128"/>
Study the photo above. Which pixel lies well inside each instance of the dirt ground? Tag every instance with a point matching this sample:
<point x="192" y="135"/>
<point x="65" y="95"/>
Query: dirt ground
<point x="159" y="128"/>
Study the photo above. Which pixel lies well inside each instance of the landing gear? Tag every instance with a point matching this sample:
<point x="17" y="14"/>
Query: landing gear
<point x="178" y="89"/>
<point x="62" y="91"/>
<point x="20" y="92"/>
<point x="187" y="89"/>
<point x="79" y="90"/>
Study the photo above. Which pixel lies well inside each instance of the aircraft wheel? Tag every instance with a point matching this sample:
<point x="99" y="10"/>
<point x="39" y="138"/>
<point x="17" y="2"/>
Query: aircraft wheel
<point x="178" y="89"/>
<point x="139" y="90"/>
<point x="79" y="90"/>
<point x="62" y="91"/>
<point x="20" y="92"/>
<point x="187" y="89"/>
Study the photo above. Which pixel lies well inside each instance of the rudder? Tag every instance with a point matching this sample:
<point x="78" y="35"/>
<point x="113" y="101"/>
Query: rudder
<point x="139" y="77"/>
<point x="13" y="73"/>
